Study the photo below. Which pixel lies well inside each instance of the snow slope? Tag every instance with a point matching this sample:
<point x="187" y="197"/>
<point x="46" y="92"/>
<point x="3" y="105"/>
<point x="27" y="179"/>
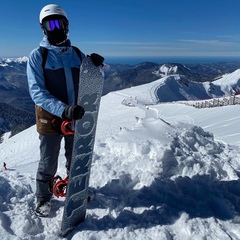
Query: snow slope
<point x="177" y="87"/>
<point x="168" y="171"/>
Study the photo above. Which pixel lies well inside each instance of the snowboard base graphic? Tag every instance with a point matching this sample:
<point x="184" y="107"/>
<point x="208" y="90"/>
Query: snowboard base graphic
<point x="89" y="96"/>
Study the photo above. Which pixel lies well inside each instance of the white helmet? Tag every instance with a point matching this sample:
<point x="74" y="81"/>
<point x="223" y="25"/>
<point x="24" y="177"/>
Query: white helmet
<point x="51" y="9"/>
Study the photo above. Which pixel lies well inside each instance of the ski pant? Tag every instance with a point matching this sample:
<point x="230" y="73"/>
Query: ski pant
<point x="49" y="151"/>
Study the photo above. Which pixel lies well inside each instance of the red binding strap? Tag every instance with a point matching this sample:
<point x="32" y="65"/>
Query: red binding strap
<point x="66" y="127"/>
<point x="60" y="187"/>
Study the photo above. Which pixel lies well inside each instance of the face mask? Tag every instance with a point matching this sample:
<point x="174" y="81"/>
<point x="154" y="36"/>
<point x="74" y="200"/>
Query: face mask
<point x="57" y="36"/>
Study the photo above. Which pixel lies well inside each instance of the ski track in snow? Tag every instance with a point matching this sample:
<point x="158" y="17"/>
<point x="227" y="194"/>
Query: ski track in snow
<point x="158" y="173"/>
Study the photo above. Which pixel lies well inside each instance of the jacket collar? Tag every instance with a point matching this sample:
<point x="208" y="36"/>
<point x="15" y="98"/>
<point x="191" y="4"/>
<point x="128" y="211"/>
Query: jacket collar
<point x="60" y="49"/>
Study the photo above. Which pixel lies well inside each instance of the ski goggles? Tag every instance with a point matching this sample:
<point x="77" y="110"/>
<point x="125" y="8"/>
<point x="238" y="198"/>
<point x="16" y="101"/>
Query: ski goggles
<point x="50" y="25"/>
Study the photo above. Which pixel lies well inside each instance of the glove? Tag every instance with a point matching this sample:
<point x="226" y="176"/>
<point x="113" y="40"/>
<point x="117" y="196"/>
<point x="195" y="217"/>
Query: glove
<point x="97" y="59"/>
<point x="73" y="112"/>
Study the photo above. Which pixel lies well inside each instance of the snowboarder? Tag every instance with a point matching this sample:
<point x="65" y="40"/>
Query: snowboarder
<point x="53" y="87"/>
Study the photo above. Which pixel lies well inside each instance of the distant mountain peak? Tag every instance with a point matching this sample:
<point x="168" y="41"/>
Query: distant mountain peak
<point x="16" y="60"/>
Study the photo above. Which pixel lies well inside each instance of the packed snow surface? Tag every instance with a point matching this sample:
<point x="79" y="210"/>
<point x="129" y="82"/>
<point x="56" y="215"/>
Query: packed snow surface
<point x="162" y="172"/>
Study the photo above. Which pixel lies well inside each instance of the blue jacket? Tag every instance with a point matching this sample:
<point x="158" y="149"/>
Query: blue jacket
<point x="55" y="86"/>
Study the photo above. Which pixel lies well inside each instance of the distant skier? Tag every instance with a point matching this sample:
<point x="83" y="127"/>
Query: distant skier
<point x="4" y="166"/>
<point x="53" y="85"/>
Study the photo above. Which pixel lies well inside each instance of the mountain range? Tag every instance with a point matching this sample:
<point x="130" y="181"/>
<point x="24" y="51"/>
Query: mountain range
<point x="181" y="80"/>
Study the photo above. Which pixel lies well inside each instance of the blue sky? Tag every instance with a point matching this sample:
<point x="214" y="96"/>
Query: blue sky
<point x="136" y="28"/>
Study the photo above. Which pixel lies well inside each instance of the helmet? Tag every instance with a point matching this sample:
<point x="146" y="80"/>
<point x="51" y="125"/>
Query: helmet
<point x="51" y="9"/>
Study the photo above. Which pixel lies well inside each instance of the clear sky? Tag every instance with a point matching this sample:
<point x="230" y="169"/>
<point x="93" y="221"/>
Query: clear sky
<point x="149" y="28"/>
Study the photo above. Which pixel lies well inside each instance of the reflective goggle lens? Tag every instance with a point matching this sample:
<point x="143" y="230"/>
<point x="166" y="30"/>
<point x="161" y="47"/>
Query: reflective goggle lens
<point x="50" y="25"/>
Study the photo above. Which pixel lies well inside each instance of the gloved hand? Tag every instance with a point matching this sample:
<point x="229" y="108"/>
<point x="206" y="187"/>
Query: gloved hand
<point x="73" y="112"/>
<point x="96" y="59"/>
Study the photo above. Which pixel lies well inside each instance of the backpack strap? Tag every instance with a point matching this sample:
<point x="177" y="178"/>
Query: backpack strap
<point x="78" y="52"/>
<point x="44" y="52"/>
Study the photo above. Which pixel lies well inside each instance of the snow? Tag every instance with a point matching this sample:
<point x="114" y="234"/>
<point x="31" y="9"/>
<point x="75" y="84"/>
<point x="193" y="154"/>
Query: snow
<point x="16" y="60"/>
<point x="166" y="69"/>
<point x="228" y="81"/>
<point x="162" y="171"/>
<point x="4" y="62"/>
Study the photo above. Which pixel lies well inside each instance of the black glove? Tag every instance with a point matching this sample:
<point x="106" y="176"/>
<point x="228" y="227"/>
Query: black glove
<point x="73" y="112"/>
<point x="97" y="59"/>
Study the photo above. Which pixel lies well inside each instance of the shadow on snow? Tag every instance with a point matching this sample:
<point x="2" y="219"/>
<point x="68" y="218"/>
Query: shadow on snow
<point x="163" y="202"/>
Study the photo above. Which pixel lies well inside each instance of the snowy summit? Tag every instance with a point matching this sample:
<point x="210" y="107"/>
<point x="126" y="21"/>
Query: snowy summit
<point x="6" y="61"/>
<point x="160" y="171"/>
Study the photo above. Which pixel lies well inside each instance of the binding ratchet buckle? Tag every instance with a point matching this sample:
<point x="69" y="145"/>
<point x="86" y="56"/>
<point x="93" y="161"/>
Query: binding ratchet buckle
<point x="59" y="188"/>
<point x="66" y="127"/>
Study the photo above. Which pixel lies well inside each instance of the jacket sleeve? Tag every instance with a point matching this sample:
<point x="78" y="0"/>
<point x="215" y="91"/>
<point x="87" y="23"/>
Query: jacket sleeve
<point x="36" y="84"/>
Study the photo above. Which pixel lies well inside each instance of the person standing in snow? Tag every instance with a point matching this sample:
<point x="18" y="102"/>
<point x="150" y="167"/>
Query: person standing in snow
<point x="53" y="87"/>
<point x="4" y="166"/>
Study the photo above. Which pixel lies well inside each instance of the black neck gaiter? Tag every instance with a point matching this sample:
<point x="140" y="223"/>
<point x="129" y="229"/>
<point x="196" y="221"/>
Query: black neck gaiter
<point x="56" y="37"/>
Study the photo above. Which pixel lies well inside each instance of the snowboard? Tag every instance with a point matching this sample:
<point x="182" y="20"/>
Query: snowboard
<point x="89" y="96"/>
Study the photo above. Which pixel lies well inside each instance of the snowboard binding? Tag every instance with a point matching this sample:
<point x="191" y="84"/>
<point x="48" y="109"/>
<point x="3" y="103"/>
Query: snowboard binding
<point x="59" y="186"/>
<point x="66" y="127"/>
